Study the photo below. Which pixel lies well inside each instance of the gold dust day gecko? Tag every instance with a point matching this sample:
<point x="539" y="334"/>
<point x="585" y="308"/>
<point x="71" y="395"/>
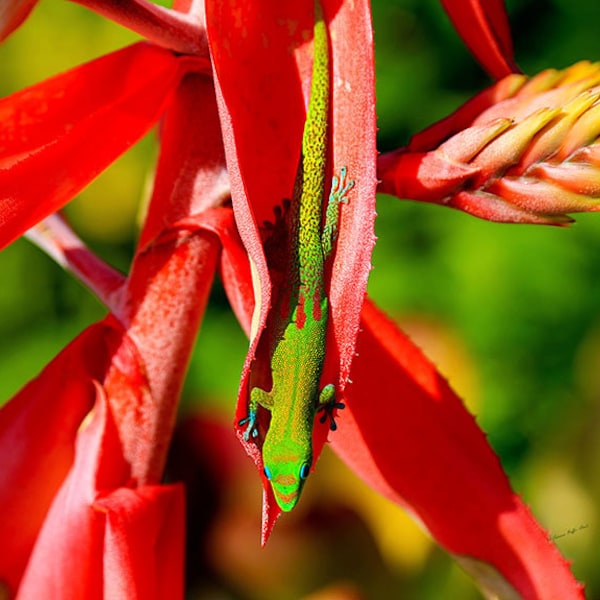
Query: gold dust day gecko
<point x="288" y="387"/>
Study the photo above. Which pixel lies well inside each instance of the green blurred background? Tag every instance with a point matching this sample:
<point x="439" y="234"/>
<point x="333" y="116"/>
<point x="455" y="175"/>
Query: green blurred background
<point x="509" y="313"/>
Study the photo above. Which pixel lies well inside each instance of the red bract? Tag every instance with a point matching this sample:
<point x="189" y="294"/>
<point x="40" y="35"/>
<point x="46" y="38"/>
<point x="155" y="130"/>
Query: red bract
<point x="449" y="478"/>
<point x="484" y="27"/>
<point x="88" y="477"/>
<point x="37" y="441"/>
<point x="75" y="516"/>
<point x="100" y="534"/>
<point x="48" y="127"/>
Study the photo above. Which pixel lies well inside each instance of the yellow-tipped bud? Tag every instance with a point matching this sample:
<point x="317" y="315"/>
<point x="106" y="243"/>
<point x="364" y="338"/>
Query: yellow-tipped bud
<point x="521" y="151"/>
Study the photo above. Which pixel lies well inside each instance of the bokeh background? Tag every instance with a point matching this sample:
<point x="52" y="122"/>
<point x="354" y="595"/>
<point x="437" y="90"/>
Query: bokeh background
<point x="510" y="314"/>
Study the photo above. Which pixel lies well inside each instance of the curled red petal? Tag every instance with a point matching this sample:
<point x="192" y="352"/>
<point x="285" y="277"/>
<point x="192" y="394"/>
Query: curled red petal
<point x="409" y="436"/>
<point x="37" y="436"/>
<point x="172" y="274"/>
<point x="191" y="175"/>
<point x="354" y="146"/>
<point x="104" y="539"/>
<point x="144" y="533"/>
<point x="235" y="266"/>
<point x="483" y="26"/>
<point x="72" y="126"/>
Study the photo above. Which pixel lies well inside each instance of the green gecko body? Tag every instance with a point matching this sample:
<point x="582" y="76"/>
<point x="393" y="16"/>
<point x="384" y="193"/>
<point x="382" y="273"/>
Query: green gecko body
<point x="295" y="337"/>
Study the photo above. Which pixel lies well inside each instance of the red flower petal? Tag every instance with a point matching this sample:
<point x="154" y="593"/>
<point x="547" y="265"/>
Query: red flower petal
<point x="37" y="435"/>
<point x="71" y="127"/>
<point x="191" y="175"/>
<point x="262" y="64"/>
<point x="102" y="540"/>
<point x="235" y="266"/>
<point x="409" y="437"/>
<point x="144" y="542"/>
<point x="354" y="146"/>
<point x="172" y="273"/>
<point x="483" y="26"/>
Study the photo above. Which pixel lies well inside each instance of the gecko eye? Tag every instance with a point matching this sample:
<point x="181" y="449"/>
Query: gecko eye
<point x="304" y="470"/>
<point x="268" y="473"/>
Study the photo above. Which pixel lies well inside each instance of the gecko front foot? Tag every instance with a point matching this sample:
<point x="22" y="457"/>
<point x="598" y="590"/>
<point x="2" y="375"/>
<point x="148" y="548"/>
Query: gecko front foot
<point x="340" y="188"/>
<point x="328" y="404"/>
<point x="328" y="414"/>
<point x="251" y="428"/>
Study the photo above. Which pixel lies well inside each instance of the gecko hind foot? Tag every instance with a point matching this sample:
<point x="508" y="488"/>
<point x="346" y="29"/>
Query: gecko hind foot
<point x="328" y="414"/>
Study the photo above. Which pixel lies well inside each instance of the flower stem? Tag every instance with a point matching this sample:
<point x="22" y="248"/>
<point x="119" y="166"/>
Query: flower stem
<point x="178" y="31"/>
<point x="54" y="236"/>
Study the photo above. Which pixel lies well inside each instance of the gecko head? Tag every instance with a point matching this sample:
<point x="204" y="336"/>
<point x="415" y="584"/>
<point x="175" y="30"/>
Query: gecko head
<point x="287" y="468"/>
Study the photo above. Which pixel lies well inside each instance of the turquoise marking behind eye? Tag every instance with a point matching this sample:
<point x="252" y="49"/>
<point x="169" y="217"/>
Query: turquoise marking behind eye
<point x="268" y="473"/>
<point x="304" y="471"/>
